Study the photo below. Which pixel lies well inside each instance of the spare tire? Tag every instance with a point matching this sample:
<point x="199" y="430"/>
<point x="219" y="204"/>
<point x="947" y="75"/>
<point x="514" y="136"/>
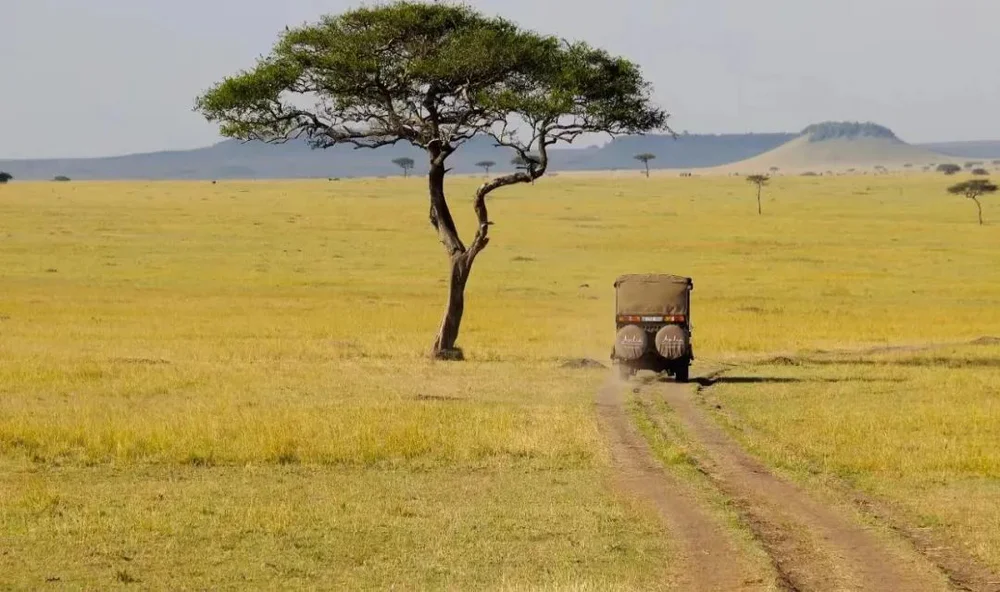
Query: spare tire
<point x="672" y="342"/>
<point x="631" y="343"/>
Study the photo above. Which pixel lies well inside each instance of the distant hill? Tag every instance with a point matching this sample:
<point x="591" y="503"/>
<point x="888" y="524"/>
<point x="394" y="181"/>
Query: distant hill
<point x="986" y="149"/>
<point x="841" y="145"/>
<point x="860" y="144"/>
<point x="255" y="160"/>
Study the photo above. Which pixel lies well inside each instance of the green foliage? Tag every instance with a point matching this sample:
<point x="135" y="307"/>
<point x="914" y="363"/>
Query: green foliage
<point x="5" y="177"/>
<point x="980" y="172"/>
<point x="433" y="75"/>
<point x="831" y="130"/>
<point x="486" y="165"/>
<point x="974" y="188"/>
<point x="759" y="180"/>
<point x="948" y="168"/>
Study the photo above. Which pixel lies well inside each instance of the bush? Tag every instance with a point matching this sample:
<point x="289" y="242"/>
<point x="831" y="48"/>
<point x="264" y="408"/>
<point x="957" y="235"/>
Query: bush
<point x="980" y="171"/>
<point x="62" y="178"/>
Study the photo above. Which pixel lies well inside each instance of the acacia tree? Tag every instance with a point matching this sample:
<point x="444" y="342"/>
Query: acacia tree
<point x="5" y="177"/>
<point x="972" y="190"/>
<point x="760" y="181"/>
<point x="948" y="168"/>
<point x="434" y="76"/>
<point x="525" y="162"/>
<point x="644" y="158"/>
<point x="404" y="163"/>
<point x="486" y="165"/>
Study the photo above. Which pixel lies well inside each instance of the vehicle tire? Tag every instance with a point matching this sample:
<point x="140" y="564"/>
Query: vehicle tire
<point x="681" y="372"/>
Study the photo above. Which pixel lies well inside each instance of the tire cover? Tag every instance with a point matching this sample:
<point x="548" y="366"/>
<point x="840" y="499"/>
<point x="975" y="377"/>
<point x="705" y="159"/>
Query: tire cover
<point x="631" y="343"/>
<point x="672" y="342"/>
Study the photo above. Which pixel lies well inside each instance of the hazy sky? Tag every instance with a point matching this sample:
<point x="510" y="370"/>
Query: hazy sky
<point x="102" y="77"/>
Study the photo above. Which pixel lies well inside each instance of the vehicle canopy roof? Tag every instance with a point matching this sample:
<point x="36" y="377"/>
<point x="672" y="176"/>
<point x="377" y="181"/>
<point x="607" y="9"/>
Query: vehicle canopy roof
<point x="653" y="294"/>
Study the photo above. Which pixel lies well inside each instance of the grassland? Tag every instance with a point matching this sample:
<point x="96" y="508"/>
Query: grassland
<point x="225" y="385"/>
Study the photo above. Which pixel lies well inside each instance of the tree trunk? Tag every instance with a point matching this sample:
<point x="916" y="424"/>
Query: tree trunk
<point x="461" y="257"/>
<point x="758" y="201"/>
<point x="980" y="208"/>
<point x="447" y="337"/>
<point x="647" y="170"/>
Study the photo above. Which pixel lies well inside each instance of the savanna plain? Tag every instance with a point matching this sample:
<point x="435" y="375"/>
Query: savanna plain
<point x="226" y="386"/>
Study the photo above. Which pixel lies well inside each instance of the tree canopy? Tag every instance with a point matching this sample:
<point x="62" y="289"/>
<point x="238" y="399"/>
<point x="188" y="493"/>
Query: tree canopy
<point x="433" y="75"/>
<point x="974" y="188"/>
<point x="5" y="177"/>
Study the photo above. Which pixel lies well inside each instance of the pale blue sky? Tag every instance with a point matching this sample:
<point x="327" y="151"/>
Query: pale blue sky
<point x="102" y="77"/>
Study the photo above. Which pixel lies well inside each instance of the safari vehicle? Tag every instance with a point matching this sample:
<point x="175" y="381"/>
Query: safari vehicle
<point x="653" y="320"/>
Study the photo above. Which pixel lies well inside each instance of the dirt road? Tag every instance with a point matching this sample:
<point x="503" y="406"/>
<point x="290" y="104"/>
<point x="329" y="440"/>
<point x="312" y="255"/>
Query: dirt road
<point x="710" y="557"/>
<point x="812" y="545"/>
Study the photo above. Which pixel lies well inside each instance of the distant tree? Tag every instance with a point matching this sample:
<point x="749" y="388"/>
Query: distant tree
<point x="948" y="168"/>
<point x="997" y="162"/>
<point x="434" y="75"/>
<point x="774" y="169"/>
<point x="973" y="164"/>
<point x="644" y="158"/>
<point x="62" y="178"/>
<point x="908" y="165"/>
<point x="404" y="163"/>
<point x="760" y="181"/>
<point x="980" y="172"/>
<point x="972" y="190"/>
<point x="486" y="165"/>
<point x="5" y="177"/>
<point x="527" y="163"/>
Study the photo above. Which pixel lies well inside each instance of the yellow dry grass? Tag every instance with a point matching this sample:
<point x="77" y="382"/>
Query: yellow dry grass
<point x="254" y="353"/>
<point x="915" y="428"/>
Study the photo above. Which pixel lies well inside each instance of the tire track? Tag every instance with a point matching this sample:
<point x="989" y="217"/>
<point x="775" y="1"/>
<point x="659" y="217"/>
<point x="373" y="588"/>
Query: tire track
<point x="813" y="546"/>
<point x="711" y="558"/>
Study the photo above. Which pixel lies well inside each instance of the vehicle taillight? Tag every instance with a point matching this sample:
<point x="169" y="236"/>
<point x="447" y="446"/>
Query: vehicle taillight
<point x="629" y="319"/>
